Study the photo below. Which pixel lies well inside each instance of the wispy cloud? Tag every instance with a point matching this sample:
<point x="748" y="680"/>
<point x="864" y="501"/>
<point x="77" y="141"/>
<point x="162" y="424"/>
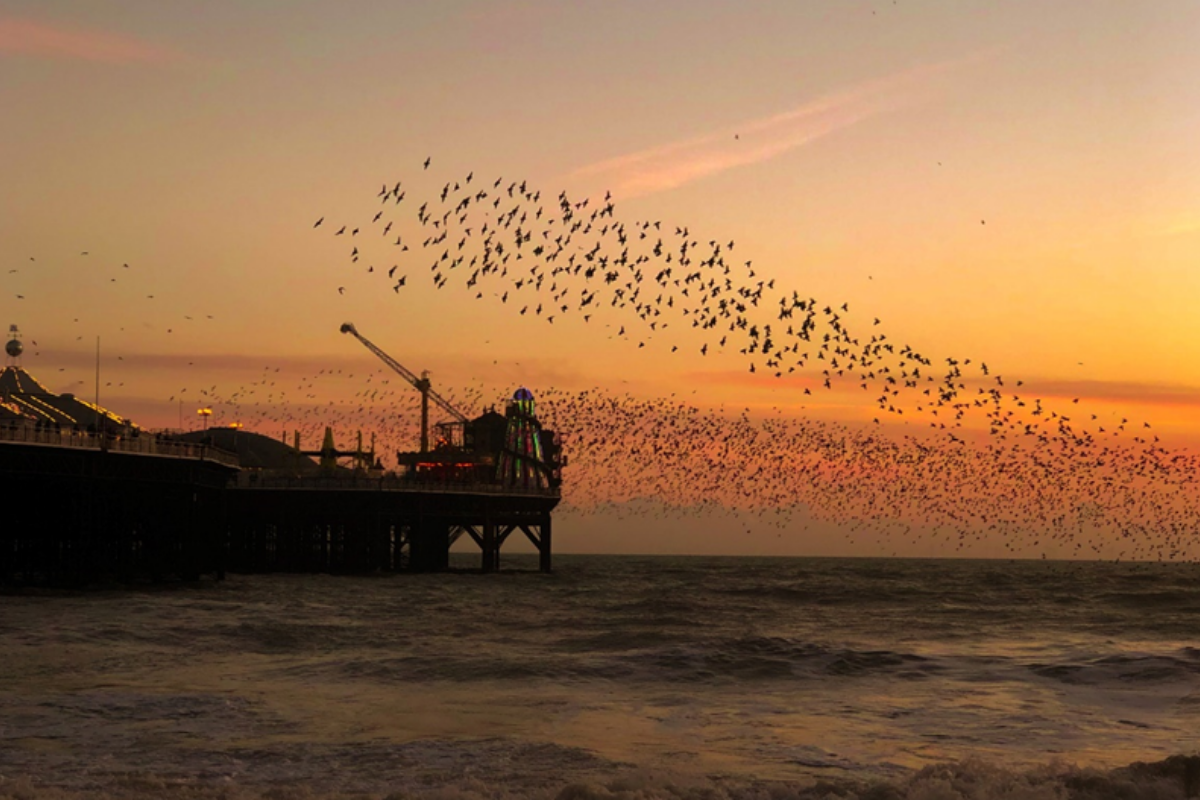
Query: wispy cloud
<point x="26" y="37"/>
<point x="743" y="378"/>
<point x="1116" y="392"/>
<point x="216" y="363"/>
<point x="229" y="372"/>
<point x="672" y="165"/>
<point x="1052" y="390"/>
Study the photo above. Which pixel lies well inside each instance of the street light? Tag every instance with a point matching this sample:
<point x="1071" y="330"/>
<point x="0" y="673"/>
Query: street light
<point x="206" y="413"/>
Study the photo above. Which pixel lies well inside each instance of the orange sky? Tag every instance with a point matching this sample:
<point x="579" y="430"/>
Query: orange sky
<point x="854" y="150"/>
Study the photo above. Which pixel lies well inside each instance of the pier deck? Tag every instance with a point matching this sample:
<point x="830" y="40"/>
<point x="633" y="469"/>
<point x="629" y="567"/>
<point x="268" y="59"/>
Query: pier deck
<point x="75" y="513"/>
<point x="356" y="524"/>
<point x="81" y="509"/>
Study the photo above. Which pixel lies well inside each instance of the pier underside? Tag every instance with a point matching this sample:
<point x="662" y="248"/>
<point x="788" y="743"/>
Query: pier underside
<point x="73" y="515"/>
<point x="366" y="529"/>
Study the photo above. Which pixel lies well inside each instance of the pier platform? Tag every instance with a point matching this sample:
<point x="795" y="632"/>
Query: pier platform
<point x="79" y="508"/>
<point x="83" y="508"/>
<point x="359" y="524"/>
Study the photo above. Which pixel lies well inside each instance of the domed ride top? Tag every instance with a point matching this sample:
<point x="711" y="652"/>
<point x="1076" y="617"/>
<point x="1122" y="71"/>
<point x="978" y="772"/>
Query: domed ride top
<point x="14" y="348"/>
<point x="522" y="394"/>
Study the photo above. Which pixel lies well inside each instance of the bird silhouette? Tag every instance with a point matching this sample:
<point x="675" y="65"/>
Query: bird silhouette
<point x="961" y="449"/>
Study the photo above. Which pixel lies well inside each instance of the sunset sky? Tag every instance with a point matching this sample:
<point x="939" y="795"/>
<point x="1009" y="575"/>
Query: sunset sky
<point x="1015" y="182"/>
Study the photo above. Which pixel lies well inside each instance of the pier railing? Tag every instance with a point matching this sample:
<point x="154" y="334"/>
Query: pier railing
<point x="144" y="444"/>
<point x="249" y="479"/>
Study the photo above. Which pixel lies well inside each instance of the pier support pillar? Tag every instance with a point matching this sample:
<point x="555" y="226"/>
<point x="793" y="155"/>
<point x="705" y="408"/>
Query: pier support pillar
<point x="490" y="547"/>
<point x="544" y="545"/>
<point x="429" y="547"/>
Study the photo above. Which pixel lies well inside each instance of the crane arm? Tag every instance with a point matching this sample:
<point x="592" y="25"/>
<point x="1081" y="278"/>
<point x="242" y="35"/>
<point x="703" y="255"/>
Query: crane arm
<point x="421" y="384"/>
<point x="444" y="404"/>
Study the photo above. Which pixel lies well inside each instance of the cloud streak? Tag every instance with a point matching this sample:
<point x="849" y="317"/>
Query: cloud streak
<point x="670" y="166"/>
<point x="25" y="37"/>
<point x="1060" y="390"/>
<point x="1116" y="392"/>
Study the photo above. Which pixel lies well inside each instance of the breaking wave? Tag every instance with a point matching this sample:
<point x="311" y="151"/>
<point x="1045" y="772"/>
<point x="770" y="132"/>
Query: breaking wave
<point x="613" y="679"/>
<point x="1174" y="778"/>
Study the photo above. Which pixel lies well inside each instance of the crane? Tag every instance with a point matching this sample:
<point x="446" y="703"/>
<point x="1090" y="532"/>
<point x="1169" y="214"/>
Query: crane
<point x="421" y="384"/>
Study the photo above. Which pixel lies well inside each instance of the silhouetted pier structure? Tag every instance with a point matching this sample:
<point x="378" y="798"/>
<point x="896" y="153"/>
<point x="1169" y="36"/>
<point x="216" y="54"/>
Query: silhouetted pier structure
<point x="154" y="510"/>
<point x="84" y="507"/>
<point x="80" y="507"/>
<point x="362" y="524"/>
<point x="91" y="496"/>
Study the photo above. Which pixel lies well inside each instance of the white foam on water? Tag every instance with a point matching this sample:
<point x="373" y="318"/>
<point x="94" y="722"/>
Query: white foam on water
<point x="1177" y="778"/>
<point x="719" y="678"/>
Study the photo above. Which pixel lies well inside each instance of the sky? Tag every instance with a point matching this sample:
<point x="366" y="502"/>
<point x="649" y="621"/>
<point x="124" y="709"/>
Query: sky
<point x="1015" y="181"/>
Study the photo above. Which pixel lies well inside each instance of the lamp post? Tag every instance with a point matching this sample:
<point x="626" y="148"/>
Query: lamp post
<point x="205" y="415"/>
<point x="99" y="426"/>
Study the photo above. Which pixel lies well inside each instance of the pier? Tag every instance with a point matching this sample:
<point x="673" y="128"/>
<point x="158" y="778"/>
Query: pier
<point x="87" y="508"/>
<point x="362" y="524"/>
<point x="94" y="497"/>
<point x="80" y="508"/>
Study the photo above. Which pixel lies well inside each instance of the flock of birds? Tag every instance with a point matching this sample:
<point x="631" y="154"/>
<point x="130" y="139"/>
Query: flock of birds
<point x="178" y="321"/>
<point x="666" y="457"/>
<point x="981" y="458"/>
<point x="978" y="460"/>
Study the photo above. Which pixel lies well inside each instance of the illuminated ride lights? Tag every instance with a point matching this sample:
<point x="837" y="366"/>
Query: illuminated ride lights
<point x="522" y="463"/>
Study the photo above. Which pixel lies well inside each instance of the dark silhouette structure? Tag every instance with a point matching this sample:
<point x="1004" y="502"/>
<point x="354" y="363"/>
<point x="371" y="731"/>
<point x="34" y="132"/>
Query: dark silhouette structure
<point x="355" y="523"/>
<point x="124" y="504"/>
<point x="83" y="509"/>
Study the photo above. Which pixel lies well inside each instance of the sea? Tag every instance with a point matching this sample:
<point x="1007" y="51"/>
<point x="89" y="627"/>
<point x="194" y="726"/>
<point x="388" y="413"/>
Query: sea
<point x="614" y="677"/>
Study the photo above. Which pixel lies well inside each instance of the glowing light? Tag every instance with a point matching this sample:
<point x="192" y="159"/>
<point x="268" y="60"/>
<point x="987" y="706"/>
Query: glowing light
<point x="521" y="461"/>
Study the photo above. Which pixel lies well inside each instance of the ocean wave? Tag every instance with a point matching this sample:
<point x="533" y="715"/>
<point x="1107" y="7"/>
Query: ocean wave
<point x="1182" y="598"/>
<point x="1174" y="778"/>
<point x="657" y="657"/>
<point x="1114" y="669"/>
<point x="654" y="658"/>
<point x="832" y="595"/>
<point x="649" y="658"/>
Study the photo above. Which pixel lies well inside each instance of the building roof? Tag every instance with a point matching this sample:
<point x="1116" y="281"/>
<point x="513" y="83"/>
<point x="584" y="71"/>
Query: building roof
<point x="10" y="412"/>
<point x="254" y="450"/>
<point x="14" y="380"/>
<point x="22" y="391"/>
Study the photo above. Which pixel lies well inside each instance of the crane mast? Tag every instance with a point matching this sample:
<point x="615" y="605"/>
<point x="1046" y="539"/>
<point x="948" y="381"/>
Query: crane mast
<point x="421" y="384"/>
